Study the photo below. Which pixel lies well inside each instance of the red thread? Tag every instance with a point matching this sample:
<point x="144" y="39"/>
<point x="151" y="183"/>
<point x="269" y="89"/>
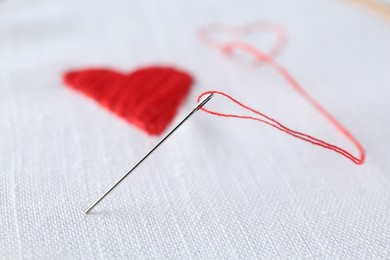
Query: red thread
<point x="228" y="48"/>
<point x="148" y="97"/>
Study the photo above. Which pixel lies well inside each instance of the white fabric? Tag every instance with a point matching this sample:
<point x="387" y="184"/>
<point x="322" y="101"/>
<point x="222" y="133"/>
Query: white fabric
<point x="218" y="188"/>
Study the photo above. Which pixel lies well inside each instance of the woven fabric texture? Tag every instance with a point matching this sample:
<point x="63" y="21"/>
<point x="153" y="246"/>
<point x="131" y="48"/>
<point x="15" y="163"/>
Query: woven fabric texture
<point x="218" y="188"/>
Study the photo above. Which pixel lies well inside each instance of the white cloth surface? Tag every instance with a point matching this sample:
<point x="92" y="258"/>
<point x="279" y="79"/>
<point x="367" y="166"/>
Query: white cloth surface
<point x="218" y="188"/>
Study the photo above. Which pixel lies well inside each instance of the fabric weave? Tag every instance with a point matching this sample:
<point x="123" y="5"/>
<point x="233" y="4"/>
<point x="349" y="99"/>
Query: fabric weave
<point x="217" y="189"/>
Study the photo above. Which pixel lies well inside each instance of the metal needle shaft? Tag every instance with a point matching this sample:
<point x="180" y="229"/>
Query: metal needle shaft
<point x="197" y="107"/>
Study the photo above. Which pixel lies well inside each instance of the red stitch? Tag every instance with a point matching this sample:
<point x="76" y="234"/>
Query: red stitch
<point x="227" y="49"/>
<point x="148" y="97"/>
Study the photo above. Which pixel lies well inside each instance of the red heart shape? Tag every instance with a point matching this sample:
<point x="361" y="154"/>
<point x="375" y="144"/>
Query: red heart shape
<point x="148" y="98"/>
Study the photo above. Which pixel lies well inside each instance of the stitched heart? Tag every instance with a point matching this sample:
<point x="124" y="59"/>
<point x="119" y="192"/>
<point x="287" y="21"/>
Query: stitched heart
<point x="148" y="97"/>
<point x="208" y="35"/>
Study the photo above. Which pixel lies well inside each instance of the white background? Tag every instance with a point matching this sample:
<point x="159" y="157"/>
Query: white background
<point x="218" y="188"/>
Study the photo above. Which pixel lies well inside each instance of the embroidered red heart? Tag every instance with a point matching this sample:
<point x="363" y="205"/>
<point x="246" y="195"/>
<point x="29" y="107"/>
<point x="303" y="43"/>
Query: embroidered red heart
<point x="148" y="98"/>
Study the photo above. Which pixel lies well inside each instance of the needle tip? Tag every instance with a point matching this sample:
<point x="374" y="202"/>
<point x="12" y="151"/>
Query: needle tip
<point x="89" y="209"/>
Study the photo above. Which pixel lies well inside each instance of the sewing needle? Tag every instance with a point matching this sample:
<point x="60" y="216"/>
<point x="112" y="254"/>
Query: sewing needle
<point x="196" y="108"/>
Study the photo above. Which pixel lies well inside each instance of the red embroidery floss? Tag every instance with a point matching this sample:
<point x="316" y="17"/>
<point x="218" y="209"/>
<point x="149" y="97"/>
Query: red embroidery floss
<point x="228" y="48"/>
<point x="148" y="97"/>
